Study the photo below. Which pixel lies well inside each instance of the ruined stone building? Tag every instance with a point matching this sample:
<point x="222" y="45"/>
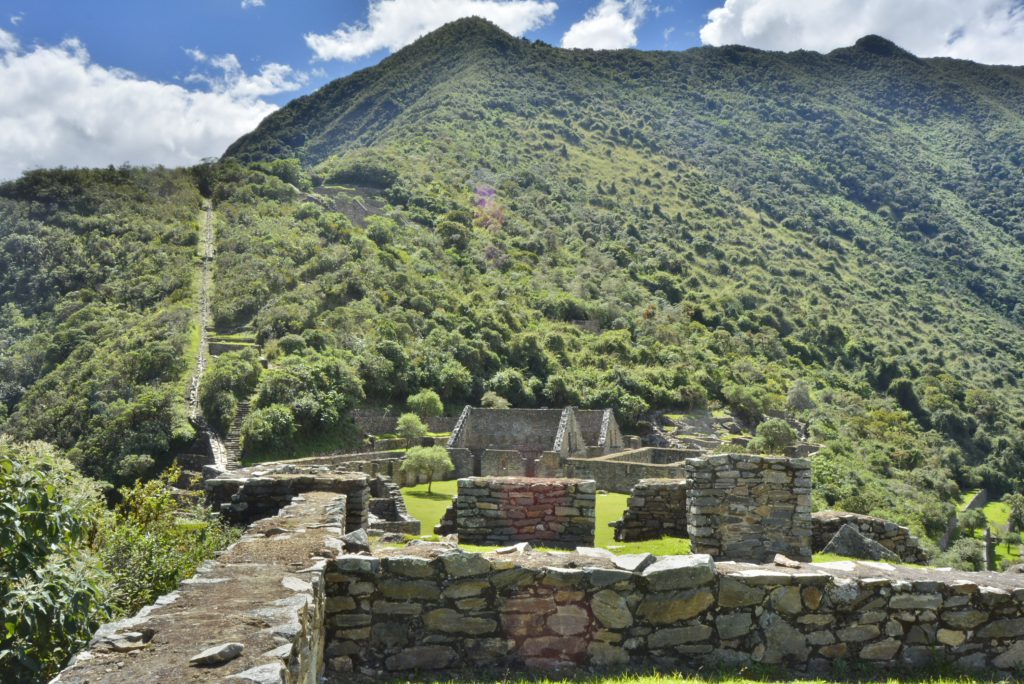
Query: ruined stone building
<point x="529" y="442"/>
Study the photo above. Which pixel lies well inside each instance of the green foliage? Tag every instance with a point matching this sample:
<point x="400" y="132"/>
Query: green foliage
<point x="1016" y="503"/>
<point x="772" y="437"/>
<point x="51" y="590"/>
<point x="963" y="554"/>
<point x="972" y="520"/>
<point x="267" y="429"/>
<point x="231" y="377"/>
<point x="494" y="401"/>
<point x="427" y="462"/>
<point x="426" y="404"/>
<point x="155" y="538"/>
<point x="410" y="426"/>
<point x="96" y="302"/>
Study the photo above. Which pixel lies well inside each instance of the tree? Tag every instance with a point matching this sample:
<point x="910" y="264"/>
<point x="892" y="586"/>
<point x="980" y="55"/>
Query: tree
<point x="410" y="426"/>
<point x="799" y="397"/>
<point x="426" y="404"/>
<point x="1016" y="503"/>
<point x="429" y="462"/>
<point x="773" y="436"/>
<point x="973" y="520"/>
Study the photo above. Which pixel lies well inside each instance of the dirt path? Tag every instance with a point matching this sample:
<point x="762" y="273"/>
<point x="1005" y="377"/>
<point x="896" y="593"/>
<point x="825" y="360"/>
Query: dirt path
<point x="206" y="254"/>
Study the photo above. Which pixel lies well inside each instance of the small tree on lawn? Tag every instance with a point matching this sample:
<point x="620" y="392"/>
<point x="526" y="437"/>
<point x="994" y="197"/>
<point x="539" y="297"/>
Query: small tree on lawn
<point x="428" y="462"/>
<point x="426" y="404"/>
<point x="1016" y="504"/>
<point x="973" y="520"/>
<point x="410" y="426"/>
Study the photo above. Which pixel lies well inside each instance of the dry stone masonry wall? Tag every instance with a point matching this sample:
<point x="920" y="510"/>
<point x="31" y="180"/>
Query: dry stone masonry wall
<point x="655" y="508"/>
<point x="405" y="613"/>
<point x="896" y="538"/>
<point x="749" y="507"/>
<point x="506" y="510"/>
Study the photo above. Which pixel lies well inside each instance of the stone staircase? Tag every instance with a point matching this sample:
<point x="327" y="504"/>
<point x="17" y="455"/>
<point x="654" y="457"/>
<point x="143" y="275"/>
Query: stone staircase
<point x="233" y="440"/>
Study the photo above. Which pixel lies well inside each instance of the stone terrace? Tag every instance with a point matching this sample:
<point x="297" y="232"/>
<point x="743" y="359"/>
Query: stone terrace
<point x="265" y="592"/>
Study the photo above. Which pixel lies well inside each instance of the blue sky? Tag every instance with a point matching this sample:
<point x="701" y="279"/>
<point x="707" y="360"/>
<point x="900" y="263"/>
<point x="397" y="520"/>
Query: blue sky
<point x="111" y="81"/>
<point x="151" y="38"/>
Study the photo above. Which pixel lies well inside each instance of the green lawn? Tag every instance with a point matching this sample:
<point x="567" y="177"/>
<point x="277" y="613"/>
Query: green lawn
<point x="428" y="509"/>
<point x="748" y="676"/>
<point x="998" y="515"/>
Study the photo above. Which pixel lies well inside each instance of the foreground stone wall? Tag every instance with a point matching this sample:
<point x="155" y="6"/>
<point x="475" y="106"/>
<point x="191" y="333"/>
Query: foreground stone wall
<point x="545" y="511"/>
<point x="896" y="538"/>
<point x="264" y="595"/>
<point x="655" y="509"/>
<point x="450" y="610"/>
<point x="742" y="507"/>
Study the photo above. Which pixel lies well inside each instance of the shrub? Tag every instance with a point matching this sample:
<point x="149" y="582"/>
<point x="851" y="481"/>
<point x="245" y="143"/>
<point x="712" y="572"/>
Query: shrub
<point x="272" y="427"/>
<point x="494" y="400"/>
<point x="156" y="538"/>
<point x="772" y="437"/>
<point x="410" y="426"/>
<point x="426" y="404"/>
<point x="429" y="462"/>
<point x="135" y="466"/>
<point x="51" y="592"/>
<point x="799" y="397"/>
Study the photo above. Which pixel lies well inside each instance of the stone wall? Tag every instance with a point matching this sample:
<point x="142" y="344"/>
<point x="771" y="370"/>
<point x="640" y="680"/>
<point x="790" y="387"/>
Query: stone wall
<point x="620" y="472"/>
<point x="246" y="495"/>
<point x="265" y="593"/>
<point x="655" y="509"/>
<point x="749" y="508"/>
<point x="503" y="463"/>
<point x="519" y="429"/>
<point x="505" y="510"/>
<point x="415" y="611"/>
<point x="896" y="538"/>
<point x="378" y="422"/>
<point x="388" y="512"/>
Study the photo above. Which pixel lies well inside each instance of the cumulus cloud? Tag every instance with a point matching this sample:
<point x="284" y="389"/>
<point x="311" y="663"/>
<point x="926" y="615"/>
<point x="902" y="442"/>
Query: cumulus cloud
<point x="272" y="78"/>
<point x="246" y="4"/>
<point x="7" y="41"/>
<point x="989" y="31"/>
<point x="393" y="24"/>
<point x="610" y="25"/>
<point x="57" y="107"/>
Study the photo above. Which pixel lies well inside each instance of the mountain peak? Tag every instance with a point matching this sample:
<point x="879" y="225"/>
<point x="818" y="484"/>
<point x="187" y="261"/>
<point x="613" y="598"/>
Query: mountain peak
<point x="883" y="47"/>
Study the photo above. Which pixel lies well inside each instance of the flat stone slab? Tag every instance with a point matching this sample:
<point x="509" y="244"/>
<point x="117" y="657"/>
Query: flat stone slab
<point x="217" y="655"/>
<point x="680" y="572"/>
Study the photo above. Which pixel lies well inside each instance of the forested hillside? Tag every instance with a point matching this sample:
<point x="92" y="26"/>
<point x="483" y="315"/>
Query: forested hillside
<point x="834" y="238"/>
<point x="96" y="314"/>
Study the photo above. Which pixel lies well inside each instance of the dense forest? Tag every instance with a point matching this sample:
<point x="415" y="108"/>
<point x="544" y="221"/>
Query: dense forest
<point x="834" y="239"/>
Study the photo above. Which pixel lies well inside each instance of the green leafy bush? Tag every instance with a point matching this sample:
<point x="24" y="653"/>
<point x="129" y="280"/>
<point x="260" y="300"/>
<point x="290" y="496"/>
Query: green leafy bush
<point x="426" y="404"/>
<point x="410" y="426"/>
<point x="772" y="437"/>
<point x="268" y="428"/>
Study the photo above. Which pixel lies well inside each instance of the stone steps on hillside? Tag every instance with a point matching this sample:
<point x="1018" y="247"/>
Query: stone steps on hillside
<point x="233" y="440"/>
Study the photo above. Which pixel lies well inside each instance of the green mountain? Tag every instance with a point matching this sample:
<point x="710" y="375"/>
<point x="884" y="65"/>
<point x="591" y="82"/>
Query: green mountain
<point x="837" y="239"/>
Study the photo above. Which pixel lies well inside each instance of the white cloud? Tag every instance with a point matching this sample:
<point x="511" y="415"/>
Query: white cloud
<point x="7" y="41"/>
<point x="246" y="4"/>
<point x="16" y="19"/>
<point x="989" y="31"/>
<point x="610" y="25"/>
<point x="393" y="24"/>
<point x="272" y="78"/>
<point x="57" y="107"/>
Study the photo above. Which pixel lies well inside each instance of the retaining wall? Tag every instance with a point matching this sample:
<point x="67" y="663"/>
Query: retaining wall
<point x="655" y="509"/>
<point x="458" y="612"/>
<point x="505" y="510"/>
<point x="896" y="538"/>
<point x="620" y="472"/>
<point x="749" y="508"/>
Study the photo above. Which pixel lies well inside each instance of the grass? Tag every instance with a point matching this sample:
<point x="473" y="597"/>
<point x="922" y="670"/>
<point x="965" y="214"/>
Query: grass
<point x="428" y="507"/>
<point x="726" y="678"/>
